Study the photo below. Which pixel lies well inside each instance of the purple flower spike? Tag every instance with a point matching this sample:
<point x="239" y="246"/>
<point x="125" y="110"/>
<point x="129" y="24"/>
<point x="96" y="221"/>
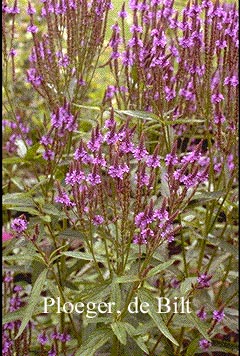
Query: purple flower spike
<point x="19" y="224"/>
<point x="32" y="29"/>
<point x="204" y="344"/>
<point x="202" y="314"/>
<point x="218" y="315"/>
<point x="98" y="220"/>
<point x="203" y="281"/>
<point x="42" y="338"/>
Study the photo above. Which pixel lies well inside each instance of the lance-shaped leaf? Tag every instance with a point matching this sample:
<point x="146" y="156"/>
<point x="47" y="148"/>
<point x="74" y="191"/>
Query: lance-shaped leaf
<point x="119" y="331"/>
<point x="145" y="296"/>
<point x="33" y="300"/>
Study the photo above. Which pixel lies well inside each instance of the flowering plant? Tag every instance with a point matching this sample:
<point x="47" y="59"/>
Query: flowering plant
<point x="120" y="228"/>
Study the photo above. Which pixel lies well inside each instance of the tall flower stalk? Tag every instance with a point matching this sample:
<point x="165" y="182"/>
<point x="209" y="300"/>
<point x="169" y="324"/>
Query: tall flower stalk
<point x="64" y="59"/>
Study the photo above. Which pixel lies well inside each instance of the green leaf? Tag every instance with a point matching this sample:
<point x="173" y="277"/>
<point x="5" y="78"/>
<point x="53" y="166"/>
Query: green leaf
<point x="51" y="210"/>
<point x="84" y="256"/>
<point x="138" y="114"/>
<point x="95" y="340"/>
<point x="18" y="199"/>
<point x="96" y="293"/>
<point x="12" y="160"/>
<point x="132" y="332"/>
<point x="186" y="285"/>
<point x="96" y="108"/>
<point x="126" y="279"/>
<point x="69" y="233"/>
<point x="160" y="268"/>
<point x="203" y="197"/>
<point x="31" y="152"/>
<point x="116" y="296"/>
<point x="202" y="327"/>
<point x="33" y="300"/>
<point x="119" y="331"/>
<point x="18" y="314"/>
<point x="24" y="209"/>
<point x="145" y="296"/>
<point x="193" y="347"/>
<point x="224" y="346"/>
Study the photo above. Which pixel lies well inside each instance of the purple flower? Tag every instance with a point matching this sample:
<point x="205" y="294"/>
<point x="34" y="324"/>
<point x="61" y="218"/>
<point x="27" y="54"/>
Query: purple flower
<point x="232" y="81"/>
<point x="217" y="98"/>
<point x="203" y="281"/>
<point x="202" y="314"/>
<point x="64" y="337"/>
<point x="8" y="278"/>
<point x="74" y="177"/>
<point x="140" y="152"/>
<point x="111" y="90"/>
<point x="111" y="137"/>
<point x="218" y="315"/>
<point x="117" y="171"/>
<point x="171" y="159"/>
<point x="15" y="303"/>
<point x="122" y="14"/>
<point x="174" y="283"/>
<point x="81" y="154"/>
<point x="31" y="10"/>
<point x="42" y="338"/>
<point x="98" y="220"/>
<point x="219" y="118"/>
<point x="139" y="239"/>
<point x="48" y="155"/>
<point x="153" y="161"/>
<point x="12" y="52"/>
<point x="12" y="10"/>
<point x="93" y="179"/>
<point x="19" y="225"/>
<point x="32" y="29"/>
<point x="63" y="120"/>
<point x="52" y="352"/>
<point x="96" y="140"/>
<point x="33" y="77"/>
<point x="46" y="140"/>
<point x="64" y="199"/>
<point x="204" y="344"/>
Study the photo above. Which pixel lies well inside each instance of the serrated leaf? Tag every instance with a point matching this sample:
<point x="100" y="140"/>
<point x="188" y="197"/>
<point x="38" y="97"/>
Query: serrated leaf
<point x="138" y="114"/>
<point x="24" y="209"/>
<point x="17" y="199"/>
<point x="12" y="160"/>
<point x="115" y="296"/>
<point x="18" y="314"/>
<point x="145" y="296"/>
<point x="96" y="294"/>
<point x="119" y="331"/>
<point x="33" y="300"/>
<point x="192" y="347"/>
<point x="202" y="327"/>
<point x="70" y="233"/>
<point x="96" y="340"/>
<point x="224" y="346"/>
<point x="160" y="268"/>
<point x="126" y="279"/>
<point x="51" y="210"/>
<point x="132" y="332"/>
<point x="83" y="256"/>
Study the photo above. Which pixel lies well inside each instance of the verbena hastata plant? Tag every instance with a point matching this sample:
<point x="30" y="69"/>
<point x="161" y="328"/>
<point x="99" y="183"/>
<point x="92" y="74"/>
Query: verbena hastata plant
<point x="179" y="65"/>
<point x="64" y="58"/>
<point x="142" y="206"/>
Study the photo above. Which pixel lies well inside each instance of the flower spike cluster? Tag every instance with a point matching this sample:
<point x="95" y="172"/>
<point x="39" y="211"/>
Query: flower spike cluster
<point x="113" y="178"/>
